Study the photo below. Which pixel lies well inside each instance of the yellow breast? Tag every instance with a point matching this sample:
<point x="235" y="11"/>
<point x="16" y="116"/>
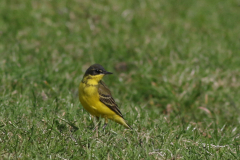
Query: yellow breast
<point x="89" y="98"/>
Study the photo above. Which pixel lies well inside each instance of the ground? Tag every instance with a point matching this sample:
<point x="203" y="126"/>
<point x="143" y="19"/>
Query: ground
<point x="176" y="78"/>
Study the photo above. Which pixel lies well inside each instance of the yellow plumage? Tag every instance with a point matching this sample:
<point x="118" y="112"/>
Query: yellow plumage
<point x="96" y="98"/>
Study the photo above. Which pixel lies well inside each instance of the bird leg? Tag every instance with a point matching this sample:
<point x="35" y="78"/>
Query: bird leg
<point x="98" y="124"/>
<point x="105" y="124"/>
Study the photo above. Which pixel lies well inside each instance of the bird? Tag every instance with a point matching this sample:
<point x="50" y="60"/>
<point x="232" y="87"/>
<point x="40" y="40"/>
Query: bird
<point x="97" y="99"/>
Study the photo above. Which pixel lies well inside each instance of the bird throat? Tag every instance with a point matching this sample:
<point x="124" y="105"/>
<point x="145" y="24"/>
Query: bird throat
<point x="91" y="80"/>
<point x="89" y="84"/>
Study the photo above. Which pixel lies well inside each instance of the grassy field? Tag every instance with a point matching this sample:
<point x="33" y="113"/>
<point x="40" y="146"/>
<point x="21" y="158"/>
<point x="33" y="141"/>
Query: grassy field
<point x="176" y="78"/>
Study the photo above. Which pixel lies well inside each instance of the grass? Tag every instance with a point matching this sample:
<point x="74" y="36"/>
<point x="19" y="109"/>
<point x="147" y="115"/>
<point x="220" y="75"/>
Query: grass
<point x="176" y="78"/>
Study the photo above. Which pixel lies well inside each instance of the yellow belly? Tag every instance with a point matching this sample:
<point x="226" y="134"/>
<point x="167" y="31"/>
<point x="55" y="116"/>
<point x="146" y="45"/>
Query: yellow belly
<point x="89" y="98"/>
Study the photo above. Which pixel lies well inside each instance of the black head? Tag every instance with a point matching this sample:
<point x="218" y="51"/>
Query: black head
<point x="96" y="69"/>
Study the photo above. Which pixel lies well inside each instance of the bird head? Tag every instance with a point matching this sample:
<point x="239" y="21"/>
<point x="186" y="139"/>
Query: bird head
<point x="95" y="71"/>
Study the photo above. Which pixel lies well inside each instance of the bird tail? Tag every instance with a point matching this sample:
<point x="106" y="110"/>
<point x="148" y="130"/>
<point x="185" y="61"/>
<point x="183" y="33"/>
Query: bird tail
<point x="127" y="126"/>
<point x="121" y="121"/>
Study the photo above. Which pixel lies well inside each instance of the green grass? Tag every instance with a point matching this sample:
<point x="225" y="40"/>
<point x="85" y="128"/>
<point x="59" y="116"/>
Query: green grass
<point x="177" y="84"/>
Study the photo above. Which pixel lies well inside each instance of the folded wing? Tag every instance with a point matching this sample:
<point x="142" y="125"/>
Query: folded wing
<point x="107" y="99"/>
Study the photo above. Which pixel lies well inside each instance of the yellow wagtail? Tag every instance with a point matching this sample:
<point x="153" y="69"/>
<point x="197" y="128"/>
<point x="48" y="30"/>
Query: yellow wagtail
<point x="96" y="98"/>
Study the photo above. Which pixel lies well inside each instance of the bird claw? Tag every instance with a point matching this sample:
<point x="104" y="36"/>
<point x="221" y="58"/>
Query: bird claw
<point x="104" y="126"/>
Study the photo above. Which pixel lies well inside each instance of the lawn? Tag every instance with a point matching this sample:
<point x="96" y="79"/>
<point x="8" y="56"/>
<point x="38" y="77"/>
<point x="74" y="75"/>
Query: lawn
<point x="176" y="78"/>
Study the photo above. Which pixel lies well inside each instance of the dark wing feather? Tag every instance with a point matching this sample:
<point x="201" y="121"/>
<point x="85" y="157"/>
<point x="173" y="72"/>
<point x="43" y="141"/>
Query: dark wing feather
<point x="107" y="99"/>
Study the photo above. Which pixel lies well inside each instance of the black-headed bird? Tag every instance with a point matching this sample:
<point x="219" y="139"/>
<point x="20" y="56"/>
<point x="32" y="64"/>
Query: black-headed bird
<point x="96" y="98"/>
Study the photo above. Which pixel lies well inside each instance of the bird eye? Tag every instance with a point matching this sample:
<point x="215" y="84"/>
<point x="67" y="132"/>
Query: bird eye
<point x="99" y="71"/>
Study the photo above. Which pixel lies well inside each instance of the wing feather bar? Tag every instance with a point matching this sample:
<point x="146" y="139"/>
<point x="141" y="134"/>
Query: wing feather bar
<point x="107" y="99"/>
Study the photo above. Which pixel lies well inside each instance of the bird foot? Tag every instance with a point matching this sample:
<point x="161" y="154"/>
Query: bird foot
<point x="104" y="126"/>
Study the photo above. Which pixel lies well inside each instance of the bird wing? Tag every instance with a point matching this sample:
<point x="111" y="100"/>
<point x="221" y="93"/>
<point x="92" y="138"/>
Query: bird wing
<point x="107" y="99"/>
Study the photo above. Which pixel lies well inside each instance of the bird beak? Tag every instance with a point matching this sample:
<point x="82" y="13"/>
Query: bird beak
<point x="108" y="72"/>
